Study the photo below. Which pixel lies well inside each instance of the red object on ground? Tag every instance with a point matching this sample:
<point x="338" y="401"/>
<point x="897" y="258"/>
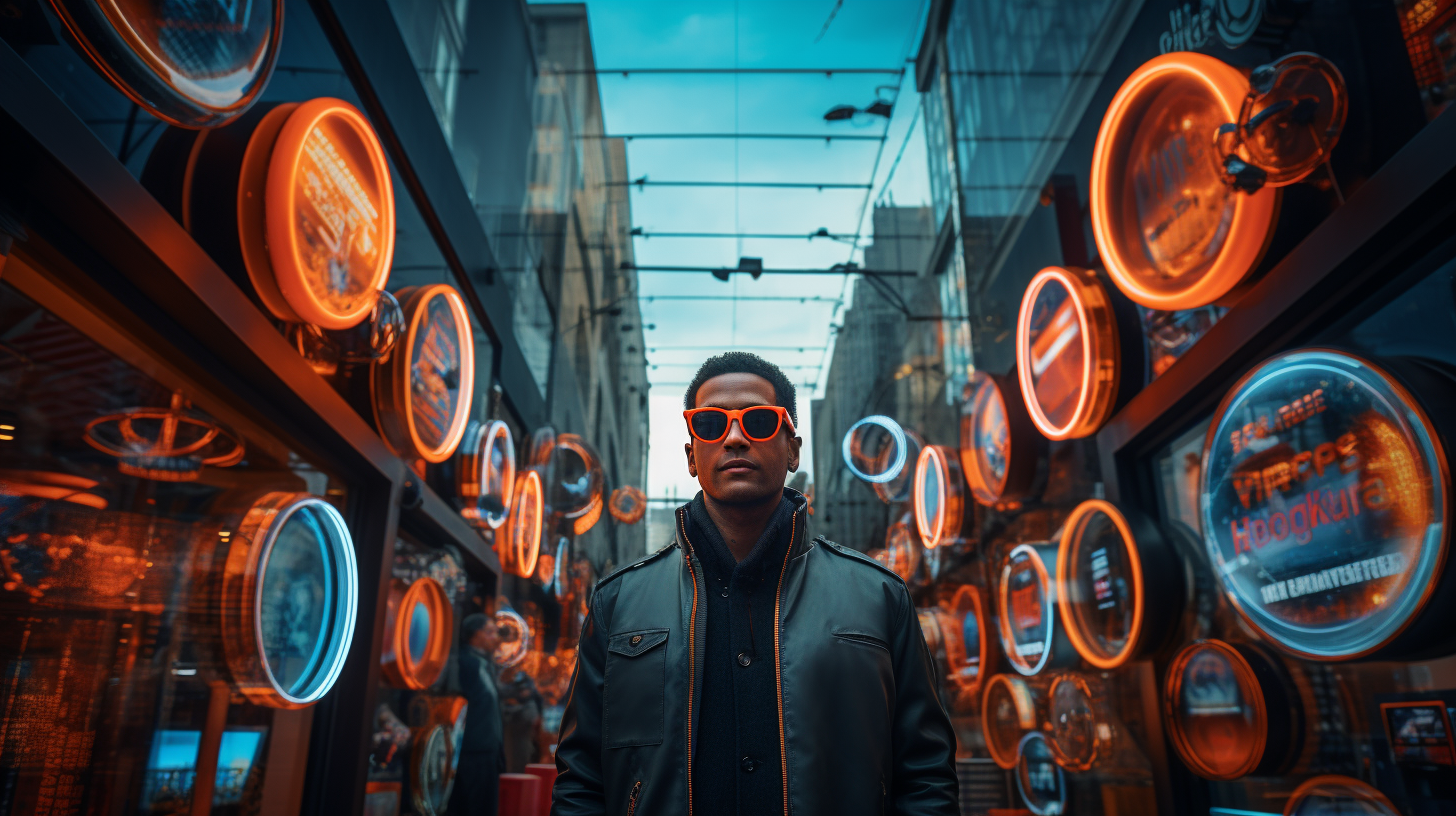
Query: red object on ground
<point x="548" y="781"/>
<point x="520" y="795"/>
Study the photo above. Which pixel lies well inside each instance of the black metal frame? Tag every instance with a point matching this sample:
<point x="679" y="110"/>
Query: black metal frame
<point x="108" y="244"/>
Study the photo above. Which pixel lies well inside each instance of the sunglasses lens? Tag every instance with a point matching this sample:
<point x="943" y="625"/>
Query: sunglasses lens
<point x="760" y="423"/>
<point x="709" y="424"/>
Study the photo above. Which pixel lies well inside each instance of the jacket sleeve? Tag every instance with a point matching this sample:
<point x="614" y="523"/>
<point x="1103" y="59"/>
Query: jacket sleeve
<point x="579" y="787"/>
<point x="924" y="742"/>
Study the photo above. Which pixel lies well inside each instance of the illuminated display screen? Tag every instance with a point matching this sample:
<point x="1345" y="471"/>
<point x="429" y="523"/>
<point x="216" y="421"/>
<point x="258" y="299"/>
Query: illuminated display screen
<point x="1100" y="578"/>
<point x="1323" y="501"/>
<point x="1038" y="777"/>
<point x="422" y="396"/>
<point x="172" y="767"/>
<point x="1171" y="231"/>
<point x="1009" y="709"/>
<point x="1216" y="711"/>
<point x="1338" y="796"/>
<point x="194" y="64"/>
<point x="287" y="638"/>
<point x="1027" y="611"/>
<point x="1067" y="353"/>
<point x="1419" y="733"/>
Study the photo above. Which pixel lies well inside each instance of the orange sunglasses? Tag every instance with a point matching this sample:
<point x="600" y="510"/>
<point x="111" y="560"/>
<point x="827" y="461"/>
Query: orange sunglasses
<point x="760" y="423"/>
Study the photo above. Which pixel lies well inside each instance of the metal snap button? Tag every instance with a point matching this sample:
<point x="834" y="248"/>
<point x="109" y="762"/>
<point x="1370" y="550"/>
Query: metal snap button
<point x="744" y="660"/>
<point x="748" y="764"/>
<point x="636" y="639"/>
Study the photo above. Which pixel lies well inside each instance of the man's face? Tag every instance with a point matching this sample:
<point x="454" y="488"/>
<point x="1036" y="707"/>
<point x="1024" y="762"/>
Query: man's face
<point x="486" y="639"/>
<point x="736" y="469"/>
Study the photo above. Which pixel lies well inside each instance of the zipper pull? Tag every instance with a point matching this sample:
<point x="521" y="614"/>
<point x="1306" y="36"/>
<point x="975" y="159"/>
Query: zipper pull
<point x="632" y="797"/>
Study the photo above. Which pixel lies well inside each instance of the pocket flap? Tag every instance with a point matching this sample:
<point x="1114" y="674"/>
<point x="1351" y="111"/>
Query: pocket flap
<point x="631" y="644"/>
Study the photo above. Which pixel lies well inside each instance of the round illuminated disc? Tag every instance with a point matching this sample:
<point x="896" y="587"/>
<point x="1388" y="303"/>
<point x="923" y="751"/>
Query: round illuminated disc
<point x="1172" y="233"/>
<point x="939" y="505"/>
<point x="524" y="526"/>
<point x="1323" y="495"/>
<point x="431" y="775"/>
<point x="195" y="65"/>
<point x="1067" y="353"/>
<point x="419" y="624"/>
<point x="987" y="444"/>
<point x="1078" y="738"/>
<point x="627" y="505"/>
<point x="1026" y="607"/>
<point x="515" y="638"/>
<point x="900" y="487"/>
<point x="902" y="552"/>
<point x="1338" y="796"/>
<point x="1039" y="779"/>
<point x="576" y="482"/>
<point x="1009" y="710"/>
<point x="422" y="395"/>
<point x="485" y="473"/>
<point x="1217" y="715"/>
<point x="289" y="600"/>
<point x="1100" y="576"/>
<point x="967" y="646"/>
<point x="329" y="214"/>
<point x="874" y="449"/>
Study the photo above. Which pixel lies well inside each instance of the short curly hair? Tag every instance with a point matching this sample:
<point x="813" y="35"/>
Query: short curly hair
<point x="743" y="362"/>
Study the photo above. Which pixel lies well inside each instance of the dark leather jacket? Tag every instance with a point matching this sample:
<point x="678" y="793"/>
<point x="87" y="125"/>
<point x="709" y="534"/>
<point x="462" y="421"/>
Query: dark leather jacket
<point x="861" y="728"/>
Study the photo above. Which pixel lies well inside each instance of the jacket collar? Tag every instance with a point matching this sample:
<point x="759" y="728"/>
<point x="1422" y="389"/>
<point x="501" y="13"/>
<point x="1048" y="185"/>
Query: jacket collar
<point x="802" y="541"/>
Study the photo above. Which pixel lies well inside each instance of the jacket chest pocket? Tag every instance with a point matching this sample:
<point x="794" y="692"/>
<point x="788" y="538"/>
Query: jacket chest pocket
<point x="632" y="712"/>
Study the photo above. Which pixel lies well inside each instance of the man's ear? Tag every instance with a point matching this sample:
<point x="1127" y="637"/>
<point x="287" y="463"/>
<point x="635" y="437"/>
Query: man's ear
<point x="794" y="445"/>
<point x="692" y="465"/>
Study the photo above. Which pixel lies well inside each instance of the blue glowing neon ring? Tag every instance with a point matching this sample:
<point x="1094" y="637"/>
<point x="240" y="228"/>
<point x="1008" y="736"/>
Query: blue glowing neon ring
<point x="895" y="431"/>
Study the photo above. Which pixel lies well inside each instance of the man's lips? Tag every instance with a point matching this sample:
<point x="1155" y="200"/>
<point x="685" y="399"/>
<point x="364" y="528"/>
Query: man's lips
<point x="735" y="465"/>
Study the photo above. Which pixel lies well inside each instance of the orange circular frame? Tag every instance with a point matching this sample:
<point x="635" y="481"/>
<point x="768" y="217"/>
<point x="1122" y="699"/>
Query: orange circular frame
<point x="1026" y="701"/>
<point x="402" y="668"/>
<point x="945" y="525"/>
<point x="522" y="541"/>
<point x="1097" y="373"/>
<point x="328" y="205"/>
<point x="398" y="386"/>
<point x="628" y="504"/>
<point x="1066" y="563"/>
<point x="1249" y="690"/>
<point x="1352" y="787"/>
<point x="1167" y="83"/>
<point x="966" y="601"/>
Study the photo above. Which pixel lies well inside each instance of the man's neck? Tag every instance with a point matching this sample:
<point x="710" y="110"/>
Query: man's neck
<point x="741" y="525"/>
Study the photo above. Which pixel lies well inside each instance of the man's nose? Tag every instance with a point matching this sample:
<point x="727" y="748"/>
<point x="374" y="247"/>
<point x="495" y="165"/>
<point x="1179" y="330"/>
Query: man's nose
<point x="736" y="438"/>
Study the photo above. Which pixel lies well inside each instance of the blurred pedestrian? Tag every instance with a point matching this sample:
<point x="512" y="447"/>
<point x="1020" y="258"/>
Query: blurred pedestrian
<point x="521" y="707"/>
<point x="477" y="781"/>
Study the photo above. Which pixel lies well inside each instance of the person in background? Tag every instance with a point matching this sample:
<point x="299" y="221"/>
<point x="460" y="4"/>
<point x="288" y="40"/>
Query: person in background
<point x="521" y="707"/>
<point x="477" y="781"/>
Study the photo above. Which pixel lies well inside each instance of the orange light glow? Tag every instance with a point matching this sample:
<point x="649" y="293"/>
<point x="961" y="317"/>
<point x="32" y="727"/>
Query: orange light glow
<point x="1073" y="618"/>
<point x="1215" y="710"/>
<point x="1067" y="353"/>
<point x="628" y="504"/>
<point x="402" y="667"/>
<point x="1010" y="708"/>
<point x="938" y="517"/>
<point x="1172" y="233"/>
<point x="966" y="671"/>
<point x="329" y="214"/>
<point x="1334" y="793"/>
<point x="525" y="523"/>
<point x="422" y="395"/>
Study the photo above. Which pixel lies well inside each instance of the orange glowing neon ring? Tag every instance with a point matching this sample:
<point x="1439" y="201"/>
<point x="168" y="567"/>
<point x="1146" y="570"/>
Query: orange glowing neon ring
<point x="414" y="408"/>
<point x="523" y="527"/>
<point x="1080" y="371"/>
<point x="1340" y="789"/>
<point x="486" y="467"/>
<point x="1181" y="92"/>
<point x="1072" y="620"/>
<point x="940" y="522"/>
<point x="1241" y="735"/>
<point x="1009" y="711"/>
<point x="418" y="625"/>
<point x="627" y="505"/>
<point x="965" y="671"/>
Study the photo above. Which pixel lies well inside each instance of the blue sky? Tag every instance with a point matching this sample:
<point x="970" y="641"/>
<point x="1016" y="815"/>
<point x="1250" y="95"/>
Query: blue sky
<point x="761" y="34"/>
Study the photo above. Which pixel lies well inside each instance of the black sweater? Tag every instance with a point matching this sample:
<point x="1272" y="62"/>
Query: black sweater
<point x="737" y="766"/>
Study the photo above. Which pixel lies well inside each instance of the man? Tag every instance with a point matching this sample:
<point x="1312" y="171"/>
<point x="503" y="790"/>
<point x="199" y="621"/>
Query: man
<point x="747" y="669"/>
<point x="478" y="779"/>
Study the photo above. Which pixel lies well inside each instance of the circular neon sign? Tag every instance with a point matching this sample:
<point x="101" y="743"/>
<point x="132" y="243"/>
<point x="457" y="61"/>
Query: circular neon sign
<point x="1333" y="795"/>
<point x="1010" y="709"/>
<point x="431" y="775"/>
<point x="967" y="648"/>
<point x="520" y="546"/>
<point x="999" y="443"/>
<point x="1067" y="353"/>
<point x="1324" y="503"/>
<point x="1079" y="737"/>
<point x="418" y="624"/>
<point x="577" y="482"/>
<point x="289" y="598"/>
<point x="1228" y="713"/>
<point x="1173" y="233"/>
<point x="888" y="458"/>
<point x="196" y="65"/>
<point x="1026" y="606"/>
<point x="939" y="506"/>
<point x="627" y="505"/>
<point x="1039" y="779"/>
<point x="422" y="395"/>
<point x="485" y="473"/>
<point x="515" y="638"/>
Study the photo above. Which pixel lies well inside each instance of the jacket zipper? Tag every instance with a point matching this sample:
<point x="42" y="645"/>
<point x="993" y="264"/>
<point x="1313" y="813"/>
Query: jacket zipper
<point x="692" y="657"/>
<point x="778" y="664"/>
<point x="632" y="797"/>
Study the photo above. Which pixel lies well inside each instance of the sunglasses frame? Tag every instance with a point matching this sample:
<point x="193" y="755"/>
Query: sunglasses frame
<point x="736" y="415"/>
